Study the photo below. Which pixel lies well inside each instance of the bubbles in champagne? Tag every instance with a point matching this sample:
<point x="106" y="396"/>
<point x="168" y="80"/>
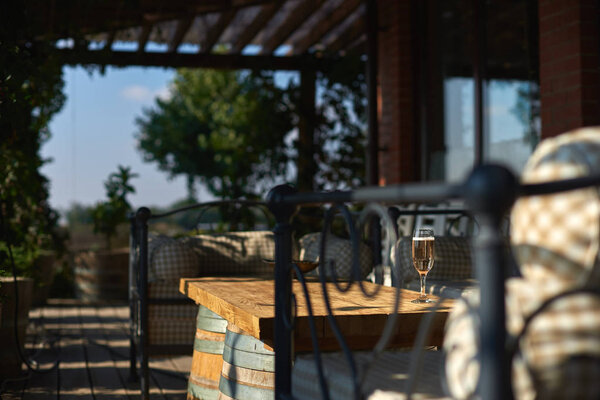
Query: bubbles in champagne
<point x="422" y="253"/>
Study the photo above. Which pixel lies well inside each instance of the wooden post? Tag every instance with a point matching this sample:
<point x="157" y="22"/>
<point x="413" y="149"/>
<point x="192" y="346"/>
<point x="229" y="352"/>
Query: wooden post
<point x="373" y="138"/>
<point x="307" y="166"/>
<point x="480" y="78"/>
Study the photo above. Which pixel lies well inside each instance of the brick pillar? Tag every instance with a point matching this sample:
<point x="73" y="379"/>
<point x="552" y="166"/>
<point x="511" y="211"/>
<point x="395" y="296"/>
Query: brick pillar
<point x="569" y="65"/>
<point x="398" y="160"/>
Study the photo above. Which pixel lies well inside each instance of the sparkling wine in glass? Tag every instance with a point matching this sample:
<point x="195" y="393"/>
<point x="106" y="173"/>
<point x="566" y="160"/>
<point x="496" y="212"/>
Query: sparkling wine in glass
<point x="422" y="256"/>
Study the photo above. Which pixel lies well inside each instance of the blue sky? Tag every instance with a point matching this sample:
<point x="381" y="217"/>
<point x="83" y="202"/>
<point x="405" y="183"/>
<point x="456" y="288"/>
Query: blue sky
<point x="94" y="133"/>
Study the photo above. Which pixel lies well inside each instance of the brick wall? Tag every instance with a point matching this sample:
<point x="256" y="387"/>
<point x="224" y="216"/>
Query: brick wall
<point x="397" y="156"/>
<point x="569" y="65"/>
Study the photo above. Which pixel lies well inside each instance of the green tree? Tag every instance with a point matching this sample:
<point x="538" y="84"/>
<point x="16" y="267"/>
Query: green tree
<point x="109" y="214"/>
<point x="225" y="128"/>
<point x="229" y="129"/>
<point x="341" y="125"/>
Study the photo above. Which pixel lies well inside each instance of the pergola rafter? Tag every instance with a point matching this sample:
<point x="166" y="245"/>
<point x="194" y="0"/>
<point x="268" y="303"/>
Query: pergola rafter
<point x="310" y="28"/>
<point x="328" y="22"/>
<point x="262" y="18"/>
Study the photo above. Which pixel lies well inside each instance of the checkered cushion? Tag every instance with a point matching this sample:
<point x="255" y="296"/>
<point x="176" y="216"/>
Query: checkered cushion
<point x="233" y="253"/>
<point x="452" y="259"/>
<point x="339" y="251"/>
<point x="560" y="353"/>
<point x="556" y="238"/>
<point x="170" y="259"/>
<point x="556" y="241"/>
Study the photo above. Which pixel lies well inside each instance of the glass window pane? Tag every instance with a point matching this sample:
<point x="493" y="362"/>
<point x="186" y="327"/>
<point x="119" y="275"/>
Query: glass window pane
<point x="449" y="120"/>
<point x="513" y="131"/>
<point x="512" y="127"/>
<point x="458" y="128"/>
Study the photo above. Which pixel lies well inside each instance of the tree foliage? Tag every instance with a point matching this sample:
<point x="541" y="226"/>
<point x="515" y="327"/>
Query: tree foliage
<point x="340" y="129"/>
<point x="229" y="129"/>
<point x="30" y="94"/>
<point x="112" y="212"/>
<point x="225" y="127"/>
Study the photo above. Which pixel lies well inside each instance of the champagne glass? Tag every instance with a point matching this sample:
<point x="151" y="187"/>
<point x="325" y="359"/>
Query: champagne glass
<point x="422" y="256"/>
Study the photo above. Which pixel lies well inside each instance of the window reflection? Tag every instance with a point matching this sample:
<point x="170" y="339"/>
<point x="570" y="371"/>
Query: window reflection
<point x="511" y="93"/>
<point x="513" y="129"/>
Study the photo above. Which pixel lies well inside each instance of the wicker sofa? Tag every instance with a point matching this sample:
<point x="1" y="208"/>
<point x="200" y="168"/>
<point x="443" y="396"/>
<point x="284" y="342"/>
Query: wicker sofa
<point x="171" y="327"/>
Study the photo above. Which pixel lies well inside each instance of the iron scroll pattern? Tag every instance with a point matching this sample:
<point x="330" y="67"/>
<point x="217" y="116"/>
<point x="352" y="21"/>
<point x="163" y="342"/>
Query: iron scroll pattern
<point x="488" y="192"/>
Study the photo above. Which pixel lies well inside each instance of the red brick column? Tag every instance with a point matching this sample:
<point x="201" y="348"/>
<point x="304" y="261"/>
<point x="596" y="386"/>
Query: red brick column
<point x="397" y="156"/>
<point x="569" y="65"/>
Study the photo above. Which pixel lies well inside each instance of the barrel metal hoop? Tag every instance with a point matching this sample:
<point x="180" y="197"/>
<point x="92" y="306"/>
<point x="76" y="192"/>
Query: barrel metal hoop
<point x="211" y="324"/>
<point x="209" y="346"/>
<point x="199" y="392"/>
<point x="246" y="343"/>
<point x="240" y="358"/>
<point x="237" y="391"/>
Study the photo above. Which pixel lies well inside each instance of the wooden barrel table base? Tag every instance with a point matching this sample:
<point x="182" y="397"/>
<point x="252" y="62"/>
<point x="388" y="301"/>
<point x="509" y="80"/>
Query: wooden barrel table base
<point x="248" y="367"/>
<point x="207" y="359"/>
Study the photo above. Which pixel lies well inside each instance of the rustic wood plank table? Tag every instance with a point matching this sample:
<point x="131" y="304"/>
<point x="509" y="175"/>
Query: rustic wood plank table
<point x="249" y="303"/>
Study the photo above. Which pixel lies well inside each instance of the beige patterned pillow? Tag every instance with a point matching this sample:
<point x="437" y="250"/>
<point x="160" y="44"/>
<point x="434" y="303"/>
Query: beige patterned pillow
<point x="559" y="355"/>
<point x="556" y="238"/>
<point x="233" y="253"/>
<point x="170" y="259"/>
<point x="337" y="250"/>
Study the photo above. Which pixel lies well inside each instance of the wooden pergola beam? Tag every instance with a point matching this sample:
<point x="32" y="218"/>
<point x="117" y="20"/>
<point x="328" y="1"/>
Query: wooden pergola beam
<point x="109" y="40"/>
<point x="200" y="60"/>
<point x="325" y="25"/>
<point x="198" y="7"/>
<point x="265" y="14"/>
<point x="216" y="30"/>
<point x="359" y="46"/>
<point x="61" y="18"/>
<point x="295" y="19"/>
<point x="183" y="26"/>
<point x="143" y="38"/>
<point x="349" y="35"/>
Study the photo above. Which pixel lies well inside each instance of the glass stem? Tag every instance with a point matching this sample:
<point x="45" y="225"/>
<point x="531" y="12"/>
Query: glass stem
<point x="423" y="278"/>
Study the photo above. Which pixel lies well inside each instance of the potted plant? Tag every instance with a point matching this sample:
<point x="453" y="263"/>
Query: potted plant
<point x="102" y="273"/>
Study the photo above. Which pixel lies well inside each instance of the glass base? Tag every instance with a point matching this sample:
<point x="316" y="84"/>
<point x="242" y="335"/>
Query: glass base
<point x="422" y="300"/>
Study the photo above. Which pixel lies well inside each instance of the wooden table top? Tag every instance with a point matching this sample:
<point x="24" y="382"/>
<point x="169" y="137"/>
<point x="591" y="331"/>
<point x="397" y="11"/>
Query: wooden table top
<point x="249" y="303"/>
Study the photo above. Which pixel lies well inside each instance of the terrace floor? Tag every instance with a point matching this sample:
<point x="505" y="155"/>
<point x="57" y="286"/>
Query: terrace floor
<point x="92" y="346"/>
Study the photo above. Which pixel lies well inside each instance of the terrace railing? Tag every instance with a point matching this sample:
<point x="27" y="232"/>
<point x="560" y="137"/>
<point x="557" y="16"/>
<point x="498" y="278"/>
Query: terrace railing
<point x="488" y="192"/>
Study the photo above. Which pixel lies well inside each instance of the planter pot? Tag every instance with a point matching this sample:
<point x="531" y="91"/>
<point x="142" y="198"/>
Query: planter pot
<point x="102" y="275"/>
<point x="43" y="274"/>
<point x="10" y="363"/>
